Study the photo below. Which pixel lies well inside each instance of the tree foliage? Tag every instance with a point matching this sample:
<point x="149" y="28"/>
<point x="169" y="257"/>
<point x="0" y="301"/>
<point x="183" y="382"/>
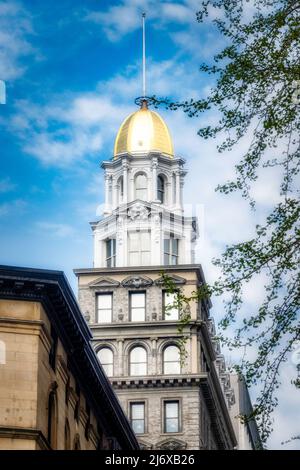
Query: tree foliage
<point x="256" y="92"/>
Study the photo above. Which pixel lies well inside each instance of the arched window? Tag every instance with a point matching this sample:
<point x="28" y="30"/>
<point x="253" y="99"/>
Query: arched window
<point x="138" y="361"/>
<point x="52" y="419"/>
<point x="171" y="360"/>
<point x="106" y="358"/>
<point x="141" y="187"/>
<point x="120" y="189"/>
<point x="67" y="436"/>
<point x="161" y="189"/>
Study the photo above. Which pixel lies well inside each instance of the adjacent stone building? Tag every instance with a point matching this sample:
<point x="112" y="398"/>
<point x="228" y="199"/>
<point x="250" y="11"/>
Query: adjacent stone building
<point x="53" y="391"/>
<point x="171" y="403"/>
<point x="246" y="431"/>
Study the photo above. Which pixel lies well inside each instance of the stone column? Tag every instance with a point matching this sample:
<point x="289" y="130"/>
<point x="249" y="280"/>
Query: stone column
<point x="114" y="193"/>
<point x="154" y="179"/>
<point x="168" y="194"/>
<point x="107" y="206"/>
<point x="154" y="365"/>
<point x="181" y="191"/>
<point x="131" y="189"/>
<point x="121" y="357"/>
<point x="178" y="189"/>
<point x="125" y="182"/>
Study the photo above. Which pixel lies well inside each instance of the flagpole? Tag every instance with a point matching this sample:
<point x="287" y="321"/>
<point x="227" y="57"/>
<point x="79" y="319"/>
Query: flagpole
<point x="144" y="56"/>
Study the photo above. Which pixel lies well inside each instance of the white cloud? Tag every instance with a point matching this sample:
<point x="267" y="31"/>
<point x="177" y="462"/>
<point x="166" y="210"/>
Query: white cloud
<point x="73" y="128"/>
<point x="14" y="207"/>
<point x="118" y="20"/>
<point x="287" y="415"/>
<point x="125" y="17"/>
<point x="66" y="130"/>
<point x="6" y="185"/>
<point x="177" y="12"/>
<point x="15" y="32"/>
<point x="56" y="229"/>
<point x="266" y="189"/>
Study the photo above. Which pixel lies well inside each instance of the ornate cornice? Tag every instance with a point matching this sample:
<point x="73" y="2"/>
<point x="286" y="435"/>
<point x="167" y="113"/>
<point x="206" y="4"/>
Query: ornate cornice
<point x="156" y="382"/>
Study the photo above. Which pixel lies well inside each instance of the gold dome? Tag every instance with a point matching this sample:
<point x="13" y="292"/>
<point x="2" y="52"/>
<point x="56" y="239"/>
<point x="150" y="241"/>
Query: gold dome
<point x="142" y="132"/>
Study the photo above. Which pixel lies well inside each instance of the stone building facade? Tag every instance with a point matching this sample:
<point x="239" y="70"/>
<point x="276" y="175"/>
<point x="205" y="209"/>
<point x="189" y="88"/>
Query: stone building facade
<point x="171" y="403"/>
<point x="192" y="385"/>
<point x="53" y="392"/>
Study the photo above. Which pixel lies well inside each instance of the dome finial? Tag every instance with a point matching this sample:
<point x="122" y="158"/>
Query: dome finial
<point x="144" y="103"/>
<point x="144" y="56"/>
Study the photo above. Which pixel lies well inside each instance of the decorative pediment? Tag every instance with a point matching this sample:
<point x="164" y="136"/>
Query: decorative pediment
<point x="138" y="212"/>
<point x="171" y="444"/>
<point x="104" y="282"/>
<point x="137" y="281"/>
<point x="175" y="279"/>
<point x="144" y="445"/>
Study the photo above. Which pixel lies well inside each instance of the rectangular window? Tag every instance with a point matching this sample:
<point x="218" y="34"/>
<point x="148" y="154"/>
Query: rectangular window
<point x="104" y="308"/>
<point x="138" y="306"/>
<point x="171" y="416"/>
<point x="139" y="248"/>
<point x="170" y="312"/>
<point x="171" y="250"/>
<point x="137" y="417"/>
<point x="111" y="253"/>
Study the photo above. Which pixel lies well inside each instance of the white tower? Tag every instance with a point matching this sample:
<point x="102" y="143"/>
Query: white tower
<point x="143" y="222"/>
<point x="171" y="404"/>
<point x="143" y="232"/>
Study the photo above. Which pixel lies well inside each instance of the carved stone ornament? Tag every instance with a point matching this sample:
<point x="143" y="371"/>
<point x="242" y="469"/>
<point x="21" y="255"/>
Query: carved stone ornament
<point x="138" y="212"/>
<point x="171" y="444"/>
<point x="137" y="281"/>
<point x="144" y="445"/>
<point x="154" y="314"/>
<point x="104" y="282"/>
<point x="175" y="279"/>
<point x="87" y="316"/>
<point x="120" y="315"/>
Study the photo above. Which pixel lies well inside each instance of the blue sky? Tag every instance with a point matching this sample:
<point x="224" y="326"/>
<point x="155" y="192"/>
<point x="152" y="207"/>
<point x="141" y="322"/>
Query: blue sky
<point x="72" y="70"/>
